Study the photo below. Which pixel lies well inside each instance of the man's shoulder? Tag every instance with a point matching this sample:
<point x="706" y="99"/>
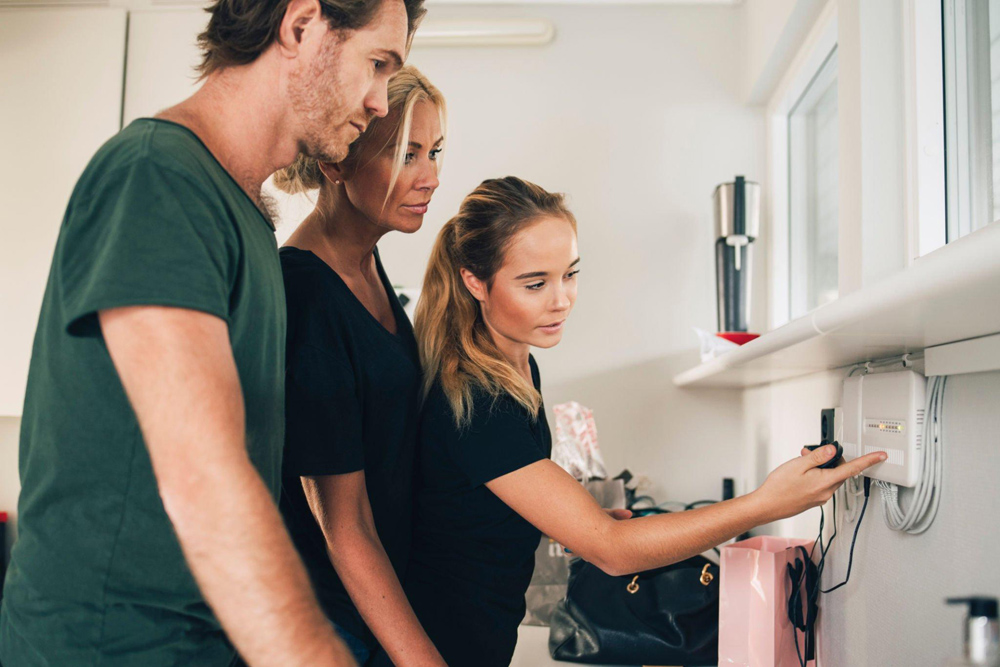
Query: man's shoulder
<point x="145" y="147"/>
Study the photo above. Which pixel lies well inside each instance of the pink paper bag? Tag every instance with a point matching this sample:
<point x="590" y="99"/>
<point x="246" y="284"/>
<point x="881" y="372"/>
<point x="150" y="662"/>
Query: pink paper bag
<point x="754" y="630"/>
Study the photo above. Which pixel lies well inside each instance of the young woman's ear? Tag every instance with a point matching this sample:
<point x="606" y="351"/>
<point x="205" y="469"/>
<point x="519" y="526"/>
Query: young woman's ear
<point x="333" y="172"/>
<point x="476" y="287"/>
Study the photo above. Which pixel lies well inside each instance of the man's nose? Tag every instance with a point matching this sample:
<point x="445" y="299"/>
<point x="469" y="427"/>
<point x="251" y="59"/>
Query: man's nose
<point x="377" y="101"/>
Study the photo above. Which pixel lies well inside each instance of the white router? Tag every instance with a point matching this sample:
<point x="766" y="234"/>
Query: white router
<point x="884" y="412"/>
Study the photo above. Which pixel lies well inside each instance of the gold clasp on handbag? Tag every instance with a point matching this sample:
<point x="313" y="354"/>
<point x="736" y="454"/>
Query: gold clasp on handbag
<point x="706" y="576"/>
<point x="633" y="587"/>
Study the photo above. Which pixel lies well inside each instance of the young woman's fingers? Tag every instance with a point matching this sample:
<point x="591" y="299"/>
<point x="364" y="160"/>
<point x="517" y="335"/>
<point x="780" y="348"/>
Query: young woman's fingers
<point x="820" y="455"/>
<point x="857" y="466"/>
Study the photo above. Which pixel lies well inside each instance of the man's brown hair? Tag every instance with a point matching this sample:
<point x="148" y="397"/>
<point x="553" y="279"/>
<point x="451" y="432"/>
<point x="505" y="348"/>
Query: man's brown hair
<point x="240" y="30"/>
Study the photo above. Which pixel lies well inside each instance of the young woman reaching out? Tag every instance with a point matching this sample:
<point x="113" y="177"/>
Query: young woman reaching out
<point x="503" y="278"/>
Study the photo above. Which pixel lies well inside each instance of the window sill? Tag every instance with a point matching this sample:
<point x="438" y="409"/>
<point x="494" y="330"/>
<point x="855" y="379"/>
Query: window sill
<point x="949" y="295"/>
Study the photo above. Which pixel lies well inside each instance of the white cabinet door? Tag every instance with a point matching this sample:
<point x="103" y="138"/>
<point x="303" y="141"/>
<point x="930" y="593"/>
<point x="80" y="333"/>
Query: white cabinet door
<point x="162" y="55"/>
<point x="60" y="99"/>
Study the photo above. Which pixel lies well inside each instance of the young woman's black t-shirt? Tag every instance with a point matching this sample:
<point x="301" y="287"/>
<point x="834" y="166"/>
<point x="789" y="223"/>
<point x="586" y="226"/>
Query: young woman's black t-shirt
<point x="352" y="393"/>
<point x="472" y="556"/>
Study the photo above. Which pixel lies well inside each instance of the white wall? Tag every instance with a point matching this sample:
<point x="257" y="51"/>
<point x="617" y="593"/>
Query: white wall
<point x="774" y="30"/>
<point x="9" y="484"/>
<point x="45" y="144"/>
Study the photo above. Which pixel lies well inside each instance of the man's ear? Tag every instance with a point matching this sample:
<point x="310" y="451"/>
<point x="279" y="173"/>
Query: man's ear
<point x="302" y="17"/>
<point x="333" y="172"/>
<point x="476" y="287"/>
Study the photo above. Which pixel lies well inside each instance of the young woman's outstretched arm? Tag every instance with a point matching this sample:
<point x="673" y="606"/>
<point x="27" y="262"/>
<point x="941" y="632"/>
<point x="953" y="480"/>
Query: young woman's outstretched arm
<point x="555" y="503"/>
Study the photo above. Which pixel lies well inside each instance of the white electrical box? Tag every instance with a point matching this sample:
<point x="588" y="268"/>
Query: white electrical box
<point x="884" y="412"/>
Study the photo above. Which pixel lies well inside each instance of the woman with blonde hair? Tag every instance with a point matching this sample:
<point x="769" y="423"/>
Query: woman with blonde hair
<point x="353" y="373"/>
<point x="503" y="278"/>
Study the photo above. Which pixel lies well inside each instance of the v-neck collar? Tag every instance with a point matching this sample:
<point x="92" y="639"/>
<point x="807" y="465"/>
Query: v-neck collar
<point x="398" y="313"/>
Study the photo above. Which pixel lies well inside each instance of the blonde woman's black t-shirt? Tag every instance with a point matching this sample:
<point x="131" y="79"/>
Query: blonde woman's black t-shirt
<point x="472" y="555"/>
<point x="352" y="403"/>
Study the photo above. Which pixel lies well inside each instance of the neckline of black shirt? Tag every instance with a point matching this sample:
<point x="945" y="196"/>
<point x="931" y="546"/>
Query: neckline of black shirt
<point x="390" y="293"/>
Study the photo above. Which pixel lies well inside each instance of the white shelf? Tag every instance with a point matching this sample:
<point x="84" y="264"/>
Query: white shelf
<point x="949" y="295"/>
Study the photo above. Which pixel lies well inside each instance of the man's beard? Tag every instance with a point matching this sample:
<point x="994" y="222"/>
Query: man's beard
<point x="315" y="96"/>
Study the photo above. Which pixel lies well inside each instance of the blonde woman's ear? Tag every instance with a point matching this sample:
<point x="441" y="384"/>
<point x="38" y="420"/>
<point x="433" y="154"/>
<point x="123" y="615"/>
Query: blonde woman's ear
<point x="333" y="172"/>
<point x="476" y="287"/>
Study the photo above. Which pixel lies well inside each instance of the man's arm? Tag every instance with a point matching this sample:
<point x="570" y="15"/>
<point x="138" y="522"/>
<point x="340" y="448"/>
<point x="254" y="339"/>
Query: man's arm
<point x="340" y="505"/>
<point x="178" y="371"/>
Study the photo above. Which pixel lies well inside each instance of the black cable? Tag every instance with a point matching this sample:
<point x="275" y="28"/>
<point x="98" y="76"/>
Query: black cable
<point x="824" y="548"/>
<point x="691" y="506"/>
<point x="850" y="560"/>
<point x="798" y="651"/>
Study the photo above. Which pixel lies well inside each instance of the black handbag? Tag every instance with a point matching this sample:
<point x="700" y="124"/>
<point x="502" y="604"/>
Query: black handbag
<point x="667" y="616"/>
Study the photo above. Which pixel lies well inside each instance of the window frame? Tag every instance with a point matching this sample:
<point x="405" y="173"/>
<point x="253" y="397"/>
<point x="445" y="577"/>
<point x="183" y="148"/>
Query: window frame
<point x="819" y="46"/>
<point x="968" y="116"/>
<point x="923" y="62"/>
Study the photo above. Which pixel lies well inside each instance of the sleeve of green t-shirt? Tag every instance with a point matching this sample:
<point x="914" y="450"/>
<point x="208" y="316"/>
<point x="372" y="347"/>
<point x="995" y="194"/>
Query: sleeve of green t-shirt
<point x="145" y="234"/>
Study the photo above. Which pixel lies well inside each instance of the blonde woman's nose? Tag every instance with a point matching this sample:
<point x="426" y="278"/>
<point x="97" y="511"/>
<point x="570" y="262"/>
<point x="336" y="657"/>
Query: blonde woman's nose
<point x="429" y="179"/>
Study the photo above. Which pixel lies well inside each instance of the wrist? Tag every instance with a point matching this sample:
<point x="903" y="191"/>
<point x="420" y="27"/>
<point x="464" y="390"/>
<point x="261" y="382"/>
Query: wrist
<point x="763" y="507"/>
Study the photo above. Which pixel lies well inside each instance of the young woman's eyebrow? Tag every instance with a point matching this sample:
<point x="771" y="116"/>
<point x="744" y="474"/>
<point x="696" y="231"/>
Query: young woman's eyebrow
<point x="542" y="274"/>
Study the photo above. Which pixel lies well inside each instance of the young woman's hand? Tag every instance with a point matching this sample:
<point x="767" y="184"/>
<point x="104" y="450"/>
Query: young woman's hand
<point x="800" y="484"/>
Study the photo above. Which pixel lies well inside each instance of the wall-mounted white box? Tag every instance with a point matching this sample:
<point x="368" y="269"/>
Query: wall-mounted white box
<point x="884" y="412"/>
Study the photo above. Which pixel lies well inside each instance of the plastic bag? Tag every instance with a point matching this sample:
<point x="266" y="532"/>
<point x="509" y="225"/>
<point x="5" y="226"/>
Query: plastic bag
<point x="576" y="450"/>
<point x="712" y="346"/>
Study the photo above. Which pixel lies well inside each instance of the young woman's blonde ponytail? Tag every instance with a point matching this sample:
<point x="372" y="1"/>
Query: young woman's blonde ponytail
<point x="456" y="348"/>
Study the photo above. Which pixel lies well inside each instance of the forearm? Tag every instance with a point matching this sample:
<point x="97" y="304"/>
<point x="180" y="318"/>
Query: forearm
<point x="178" y="370"/>
<point x="243" y="560"/>
<point x="649" y="542"/>
<point x="364" y="567"/>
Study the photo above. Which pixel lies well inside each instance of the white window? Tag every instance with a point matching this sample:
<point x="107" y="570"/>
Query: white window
<point x="812" y="192"/>
<point x="971" y="58"/>
<point x="804" y="185"/>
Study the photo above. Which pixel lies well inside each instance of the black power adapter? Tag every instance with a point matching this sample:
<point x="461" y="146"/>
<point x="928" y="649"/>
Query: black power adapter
<point x="827" y="437"/>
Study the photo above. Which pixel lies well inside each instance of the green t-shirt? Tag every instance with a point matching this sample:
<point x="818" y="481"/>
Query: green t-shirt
<point x="97" y="576"/>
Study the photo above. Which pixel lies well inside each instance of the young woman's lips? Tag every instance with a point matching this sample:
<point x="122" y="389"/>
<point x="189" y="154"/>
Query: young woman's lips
<point x="553" y="328"/>
<point x="419" y="209"/>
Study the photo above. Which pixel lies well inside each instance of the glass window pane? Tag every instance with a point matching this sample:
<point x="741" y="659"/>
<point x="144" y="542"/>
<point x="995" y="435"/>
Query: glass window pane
<point x="972" y="114"/>
<point x="813" y="194"/>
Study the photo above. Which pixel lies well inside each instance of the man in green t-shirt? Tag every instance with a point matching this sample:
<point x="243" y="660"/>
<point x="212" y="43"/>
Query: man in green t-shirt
<point x="152" y="430"/>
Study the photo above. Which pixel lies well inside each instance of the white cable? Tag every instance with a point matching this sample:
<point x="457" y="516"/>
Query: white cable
<point x="852" y="489"/>
<point x="851" y="498"/>
<point x="927" y="493"/>
<point x="906" y="361"/>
